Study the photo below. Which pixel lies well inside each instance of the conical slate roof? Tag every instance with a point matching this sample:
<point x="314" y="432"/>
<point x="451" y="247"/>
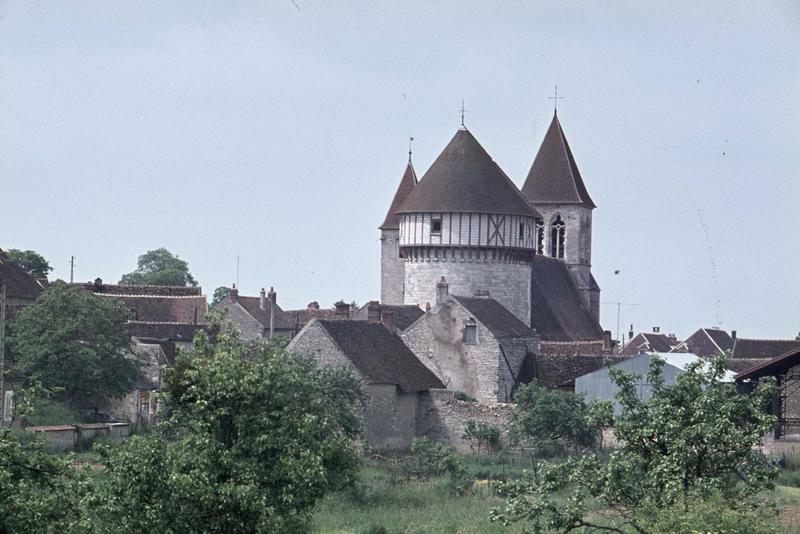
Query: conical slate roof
<point x="407" y="183"/>
<point x="554" y="177"/>
<point x="465" y="179"/>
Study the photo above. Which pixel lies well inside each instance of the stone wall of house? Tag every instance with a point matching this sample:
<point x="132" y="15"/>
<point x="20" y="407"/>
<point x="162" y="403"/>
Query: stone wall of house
<point x="437" y="340"/>
<point x="443" y="419"/>
<point x="507" y="282"/>
<point x="392" y="268"/>
<point x="249" y="328"/>
<point x="511" y="357"/>
<point x="314" y="341"/>
<point x="390" y="417"/>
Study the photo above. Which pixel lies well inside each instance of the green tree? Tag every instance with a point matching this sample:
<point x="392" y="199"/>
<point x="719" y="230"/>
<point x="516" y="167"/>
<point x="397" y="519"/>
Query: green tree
<point x="692" y="445"/>
<point x="544" y="417"/>
<point x="253" y="438"/>
<point x="74" y="341"/>
<point x="160" y="267"/>
<point x="29" y="261"/>
<point x="219" y="294"/>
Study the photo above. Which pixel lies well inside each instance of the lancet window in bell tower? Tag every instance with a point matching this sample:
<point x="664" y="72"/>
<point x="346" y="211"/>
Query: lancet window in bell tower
<point x="557" y="237"/>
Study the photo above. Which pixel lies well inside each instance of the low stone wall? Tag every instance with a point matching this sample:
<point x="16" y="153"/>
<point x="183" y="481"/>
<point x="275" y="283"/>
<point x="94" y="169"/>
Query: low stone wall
<point x="71" y="437"/>
<point x="442" y="418"/>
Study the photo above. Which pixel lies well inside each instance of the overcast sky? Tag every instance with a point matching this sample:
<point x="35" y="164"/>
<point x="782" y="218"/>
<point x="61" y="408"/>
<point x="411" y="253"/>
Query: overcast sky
<point x="278" y="131"/>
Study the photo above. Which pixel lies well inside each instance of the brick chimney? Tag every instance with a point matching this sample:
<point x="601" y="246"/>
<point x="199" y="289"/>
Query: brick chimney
<point x="387" y="318"/>
<point x="373" y="311"/>
<point x="442" y="291"/>
<point x="342" y="310"/>
<point x="608" y="342"/>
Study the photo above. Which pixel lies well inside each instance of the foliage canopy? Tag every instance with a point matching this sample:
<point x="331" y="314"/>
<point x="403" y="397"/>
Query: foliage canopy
<point x="75" y="341"/>
<point x="160" y="267"/>
<point x="692" y="443"/>
<point x="29" y="261"/>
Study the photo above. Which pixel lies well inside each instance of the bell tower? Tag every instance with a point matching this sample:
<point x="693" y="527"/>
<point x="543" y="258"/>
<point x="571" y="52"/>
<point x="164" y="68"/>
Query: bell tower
<point x="555" y="188"/>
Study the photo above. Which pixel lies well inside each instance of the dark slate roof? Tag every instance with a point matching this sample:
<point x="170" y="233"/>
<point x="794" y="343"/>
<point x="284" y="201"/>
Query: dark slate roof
<point x="494" y="316"/>
<point x="19" y="284"/>
<point x="300" y="318"/>
<point x="282" y="320"/>
<point x="558" y="313"/>
<point x="407" y="183"/>
<point x="706" y="342"/>
<point x="465" y="179"/>
<point x="152" y="308"/>
<point x="380" y="356"/>
<point x="763" y="348"/>
<point x="649" y="342"/>
<point x="554" y="177"/>
<point x="404" y="315"/>
<point x="774" y="366"/>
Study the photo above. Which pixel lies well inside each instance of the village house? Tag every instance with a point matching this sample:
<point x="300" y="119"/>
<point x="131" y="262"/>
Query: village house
<point x="256" y="317"/>
<point x="707" y="343"/>
<point x="396" y="382"/>
<point x="402" y="316"/>
<point x="653" y="341"/>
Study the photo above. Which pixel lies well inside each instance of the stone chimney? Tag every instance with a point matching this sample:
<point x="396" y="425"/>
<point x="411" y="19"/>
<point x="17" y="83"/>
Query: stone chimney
<point x="630" y="332"/>
<point x="608" y="341"/>
<point x="387" y="318"/>
<point x="373" y="311"/>
<point x="656" y="329"/>
<point x="342" y="310"/>
<point x="272" y="296"/>
<point x="233" y="293"/>
<point x="262" y="299"/>
<point x="442" y="291"/>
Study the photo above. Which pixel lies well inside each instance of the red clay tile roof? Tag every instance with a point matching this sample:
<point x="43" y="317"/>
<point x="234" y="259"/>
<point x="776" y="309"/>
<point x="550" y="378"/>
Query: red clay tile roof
<point x="706" y="342"/>
<point x="163" y="291"/>
<point x="465" y="179"/>
<point x="649" y="342"/>
<point x="763" y="348"/>
<point x="282" y="320"/>
<point x="151" y="308"/>
<point x="554" y="176"/>
<point x="777" y="365"/>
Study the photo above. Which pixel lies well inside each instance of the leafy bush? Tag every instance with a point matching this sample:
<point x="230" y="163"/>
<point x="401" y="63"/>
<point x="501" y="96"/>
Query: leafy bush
<point x="482" y="434"/>
<point x="52" y="412"/>
<point x="428" y="460"/>
<point x="712" y="515"/>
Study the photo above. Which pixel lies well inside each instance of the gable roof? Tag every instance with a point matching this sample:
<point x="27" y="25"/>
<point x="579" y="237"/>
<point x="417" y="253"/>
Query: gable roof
<point x="554" y="177"/>
<point x="648" y="342"/>
<point x="19" y="284"/>
<point x="494" y="316"/>
<point x="407" y="183"/>
<point x="465" y="179"/>
<point x="763" y="348"/>
<point x="557" y="311"/>
<point x="403" y="315"/>
<point x="163" y="309"/>
<point x="706" y="342"/>
<point x="380" y="356"/>
<point x="774" y="366"/>
<point x="252" y="305"/>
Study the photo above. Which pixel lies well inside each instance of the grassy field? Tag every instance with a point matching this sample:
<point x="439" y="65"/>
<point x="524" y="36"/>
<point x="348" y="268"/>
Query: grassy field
<point x="384" y="503"/>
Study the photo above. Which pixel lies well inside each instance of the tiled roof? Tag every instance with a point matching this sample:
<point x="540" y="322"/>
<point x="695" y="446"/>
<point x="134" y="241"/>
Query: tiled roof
<point x="465" y="179"/>
<point x="300" y="318"/>
<point x="558" y="313"/>
<point x="494" y="316"/>
<point x="554" y="175"/>
<point x="407" y="183"/>
<point x="282" y="320"/>
<point x="561" y="371"/>
<point x="380" y="356"/>
<point x="649" y="342"/>
<point x="763" y="348"/>
<point x="151" y="308"/>
<point x="706" y="342"/>
<point x="163" y="330"/>
<point x="163" y="291"/>
<point x="403" y="315"/>
<point x="19" y="284"/>
<point x="773" y="366"/>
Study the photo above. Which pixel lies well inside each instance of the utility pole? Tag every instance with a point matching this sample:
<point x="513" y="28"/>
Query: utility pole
<point x="71" y="269"/>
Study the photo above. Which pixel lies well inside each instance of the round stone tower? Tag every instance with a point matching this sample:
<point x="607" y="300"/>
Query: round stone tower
<point x="467" y="221"/>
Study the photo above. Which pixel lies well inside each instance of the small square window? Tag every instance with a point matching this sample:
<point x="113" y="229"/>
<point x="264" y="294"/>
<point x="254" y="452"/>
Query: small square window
<point x="436" y="226"/>
<point x="471" y="332"/>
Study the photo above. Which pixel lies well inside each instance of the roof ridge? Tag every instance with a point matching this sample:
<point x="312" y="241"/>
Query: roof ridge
<point x="709" y="336"/>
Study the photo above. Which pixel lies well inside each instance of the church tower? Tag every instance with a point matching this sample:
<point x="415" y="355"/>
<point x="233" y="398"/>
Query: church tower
<point x="555" y="189"/>
<point x="392" y="271"/>
<point x="466" y="221"/>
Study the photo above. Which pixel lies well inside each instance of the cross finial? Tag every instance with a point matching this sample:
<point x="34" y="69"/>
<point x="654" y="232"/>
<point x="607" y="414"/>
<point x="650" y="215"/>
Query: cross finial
<point x="555" y="98"/>
<point x="462" y="113"/>
<point x="410" y="139"/>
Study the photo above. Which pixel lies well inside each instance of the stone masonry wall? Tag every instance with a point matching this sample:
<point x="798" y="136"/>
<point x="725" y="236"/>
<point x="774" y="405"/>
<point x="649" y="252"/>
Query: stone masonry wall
<point x="314" y="341"/>
<point x="507" y="283"/>
<point x="392" y="269"/>
<point x="437" y="340"/>
<point x="250" y="329"/>
<point x="390" y="418"/>
<point x="441" y="418"/>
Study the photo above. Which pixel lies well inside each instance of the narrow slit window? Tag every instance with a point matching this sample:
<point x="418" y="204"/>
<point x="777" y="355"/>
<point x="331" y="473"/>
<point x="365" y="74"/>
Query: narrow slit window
<point x="539" y="236"/>
<point x="522" y="231"/>
<point x="557" y="238"/>
<point x="436" y="226"/>
<point x="471" y="332"/>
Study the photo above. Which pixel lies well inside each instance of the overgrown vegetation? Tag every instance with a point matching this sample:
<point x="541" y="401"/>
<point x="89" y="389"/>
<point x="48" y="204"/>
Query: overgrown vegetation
<point x="692" y="447"/>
